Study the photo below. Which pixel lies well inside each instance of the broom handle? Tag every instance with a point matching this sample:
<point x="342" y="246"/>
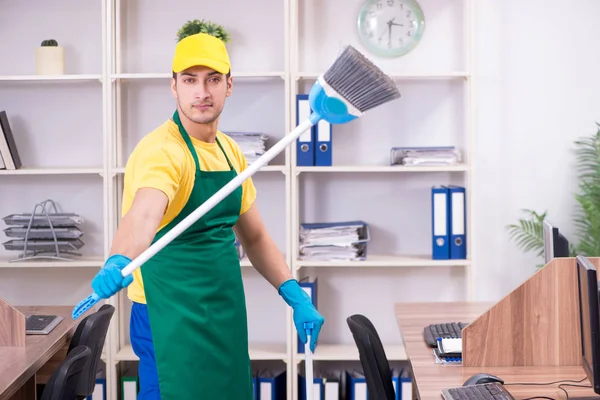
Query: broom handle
<point x="216" y="198"/>
<point x="308" y="362"/>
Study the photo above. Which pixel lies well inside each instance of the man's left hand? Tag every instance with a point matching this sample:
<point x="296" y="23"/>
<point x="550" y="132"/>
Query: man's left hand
<point x="304" y="311"/>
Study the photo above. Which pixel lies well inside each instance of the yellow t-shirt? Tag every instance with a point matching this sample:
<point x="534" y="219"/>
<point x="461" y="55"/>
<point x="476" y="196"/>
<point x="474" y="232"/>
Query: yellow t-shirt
<point x="162" y="160"/>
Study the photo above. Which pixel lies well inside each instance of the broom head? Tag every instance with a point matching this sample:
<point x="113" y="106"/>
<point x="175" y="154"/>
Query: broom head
<point x="351" y="86"/>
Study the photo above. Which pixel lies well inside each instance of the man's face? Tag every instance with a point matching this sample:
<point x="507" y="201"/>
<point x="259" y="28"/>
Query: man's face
<point x="200" y="93"/>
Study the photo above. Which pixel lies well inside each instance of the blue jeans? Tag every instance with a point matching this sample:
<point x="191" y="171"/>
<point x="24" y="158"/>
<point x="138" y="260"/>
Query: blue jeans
<point x="141" y="341"/>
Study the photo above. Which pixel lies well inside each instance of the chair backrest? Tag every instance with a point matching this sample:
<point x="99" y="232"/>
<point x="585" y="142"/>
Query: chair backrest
<point x="91" y="332"/>
<point x="66" y="378"/>
<point x="372" y="358"/>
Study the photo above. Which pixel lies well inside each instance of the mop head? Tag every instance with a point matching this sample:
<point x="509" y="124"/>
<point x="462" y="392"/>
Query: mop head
<point x="349" y="88"/>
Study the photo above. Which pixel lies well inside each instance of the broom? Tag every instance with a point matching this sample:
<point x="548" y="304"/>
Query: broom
<point x="349" y="88"/>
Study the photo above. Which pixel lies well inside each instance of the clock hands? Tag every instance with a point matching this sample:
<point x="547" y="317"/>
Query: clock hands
<point x="391" y="23"/>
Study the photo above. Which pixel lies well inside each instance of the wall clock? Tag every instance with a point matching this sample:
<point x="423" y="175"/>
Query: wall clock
<point x="390" y="28"/>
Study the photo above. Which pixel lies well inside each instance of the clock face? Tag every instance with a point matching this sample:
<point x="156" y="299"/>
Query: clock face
<point x="390" y="28"/>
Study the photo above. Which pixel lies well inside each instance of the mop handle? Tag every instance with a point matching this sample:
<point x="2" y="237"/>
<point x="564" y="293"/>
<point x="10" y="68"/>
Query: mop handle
<point x="216" y="198"/>
<point x="208" y="205"/>
<point x="308" y="362"/>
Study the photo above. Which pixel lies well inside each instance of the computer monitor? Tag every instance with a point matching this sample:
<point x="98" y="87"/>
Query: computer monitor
<point x="555" y="244"/>
<point x="589" y="319"/>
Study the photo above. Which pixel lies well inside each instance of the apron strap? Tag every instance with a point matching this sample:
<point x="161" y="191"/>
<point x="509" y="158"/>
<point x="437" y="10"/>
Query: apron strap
<point x="187" y="139"/>
<point x="225" y="153"/>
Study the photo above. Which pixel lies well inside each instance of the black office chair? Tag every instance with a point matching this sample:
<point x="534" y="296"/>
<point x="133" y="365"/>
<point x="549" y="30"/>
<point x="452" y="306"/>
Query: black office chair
<point x="91" y="332"/>
<point x="372" y="357"/>
<point x="67" y="377"/>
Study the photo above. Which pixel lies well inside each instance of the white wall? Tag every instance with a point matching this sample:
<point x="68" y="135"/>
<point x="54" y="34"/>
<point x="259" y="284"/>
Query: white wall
<point x="537" y="93"/>
<point x="527" y="96"/>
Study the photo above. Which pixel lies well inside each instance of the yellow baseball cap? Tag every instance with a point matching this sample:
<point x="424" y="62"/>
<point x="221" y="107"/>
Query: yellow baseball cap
<point x="201" y="49"/>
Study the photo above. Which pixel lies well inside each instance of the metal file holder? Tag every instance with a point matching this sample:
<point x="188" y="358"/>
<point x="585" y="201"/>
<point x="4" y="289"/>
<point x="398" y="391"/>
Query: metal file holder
<point x="57" y="253"/>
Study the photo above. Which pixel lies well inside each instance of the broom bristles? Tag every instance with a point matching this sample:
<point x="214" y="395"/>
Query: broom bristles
<point x="359" y="81"/>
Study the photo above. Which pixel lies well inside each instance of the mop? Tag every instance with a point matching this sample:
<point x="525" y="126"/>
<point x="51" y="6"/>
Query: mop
<point x="350" y="87"/>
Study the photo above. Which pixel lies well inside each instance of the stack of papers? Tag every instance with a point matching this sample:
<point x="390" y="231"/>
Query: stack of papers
<point x="334" y="241"/>
<point x="253" y="144"/>
<point x="447" y="155"/>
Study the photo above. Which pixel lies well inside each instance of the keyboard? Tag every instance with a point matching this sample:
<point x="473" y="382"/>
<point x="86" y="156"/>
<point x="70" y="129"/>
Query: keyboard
<point x="449" y="330"/>
<point x="41" y="324"/>
<point x="484" y="391"/>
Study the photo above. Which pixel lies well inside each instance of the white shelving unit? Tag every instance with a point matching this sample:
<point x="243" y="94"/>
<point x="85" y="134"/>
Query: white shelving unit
<point x="116" y="90"/>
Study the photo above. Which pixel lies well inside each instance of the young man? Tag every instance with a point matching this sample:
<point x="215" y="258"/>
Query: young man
<point x="188" y="320"/>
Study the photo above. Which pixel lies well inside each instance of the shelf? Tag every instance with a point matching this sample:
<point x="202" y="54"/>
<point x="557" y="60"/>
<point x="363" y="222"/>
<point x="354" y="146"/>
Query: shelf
<point x="78" y="262"/>
<point x="388" y="261"/>
<point x="65" y="77"/>
<point x="266" y="168"/>
<point x="257" y="352"/>
<point x="384" y="168"/>
<point x="400" y="75"/>
<point x="52" y="171"/>
<point x="349" y="352"/>
<point x="166" y="75"/>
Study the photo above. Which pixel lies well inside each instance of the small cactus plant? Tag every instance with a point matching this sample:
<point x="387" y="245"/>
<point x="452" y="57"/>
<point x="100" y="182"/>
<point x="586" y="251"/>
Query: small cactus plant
<point x="49" y="43"/>
<point x="197" y="26"/>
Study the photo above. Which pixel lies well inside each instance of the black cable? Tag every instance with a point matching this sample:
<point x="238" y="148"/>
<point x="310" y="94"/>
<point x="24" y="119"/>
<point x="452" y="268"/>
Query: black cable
<point x="544" y="383"/>
<point x="560" y="386"/>
<point x="540" y="397"/>
<point x="571" y="385"/>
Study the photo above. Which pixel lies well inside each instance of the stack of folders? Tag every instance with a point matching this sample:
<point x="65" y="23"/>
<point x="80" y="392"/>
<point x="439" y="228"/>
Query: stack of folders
<point x="39" y="233"/>
<point x="326" y="386"/>
<point x="252" y="144"/>
<point x="412" y="156"/>
<point x="448" y="223"/>
<point x="100" y="388"/>
<point x="356" y="385"/>
<point x="9" y="155"/>
<point x="334" y="241"/>
<point x="448" y="351"/>
<point x="130" y="384"/>
<point x="315" y="146"/>
<point x="270" y="384"/>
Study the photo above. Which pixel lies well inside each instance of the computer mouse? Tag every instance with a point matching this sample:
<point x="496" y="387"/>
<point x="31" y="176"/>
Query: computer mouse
<point x="478" y="379"/>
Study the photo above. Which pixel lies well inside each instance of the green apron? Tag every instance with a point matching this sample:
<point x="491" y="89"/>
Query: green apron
<point x="195" y="298"/>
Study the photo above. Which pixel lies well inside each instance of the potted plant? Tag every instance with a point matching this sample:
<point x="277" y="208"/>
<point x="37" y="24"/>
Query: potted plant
<point x="528" y="233"/>
<point x="197" y="26"/>
<point x="50" y="58"/>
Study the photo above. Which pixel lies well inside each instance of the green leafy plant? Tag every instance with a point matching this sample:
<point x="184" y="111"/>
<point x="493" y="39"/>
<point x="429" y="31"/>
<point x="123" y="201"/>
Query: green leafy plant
<point x="528" y="233"/>
<point x="587" y="216"/>
<point x="202" y="26"/>
<point x="49" y="43"/>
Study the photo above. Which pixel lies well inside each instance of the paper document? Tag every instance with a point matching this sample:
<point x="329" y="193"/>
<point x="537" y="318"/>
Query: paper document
<point x="335" y="241"/>
<point x="252" y="144"/>
<point x="446" y="155"/>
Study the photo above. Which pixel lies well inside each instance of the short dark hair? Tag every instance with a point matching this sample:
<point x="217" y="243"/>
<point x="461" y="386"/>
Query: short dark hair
<point x="227" y="75"/>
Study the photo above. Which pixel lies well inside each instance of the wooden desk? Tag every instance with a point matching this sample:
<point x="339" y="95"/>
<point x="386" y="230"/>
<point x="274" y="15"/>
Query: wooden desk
<point x="18" y="366"/>
<point x="430" y="378"/>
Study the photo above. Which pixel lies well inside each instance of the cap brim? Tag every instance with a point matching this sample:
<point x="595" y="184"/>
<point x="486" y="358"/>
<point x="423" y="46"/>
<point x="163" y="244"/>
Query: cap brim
<point x="205" y="62"/>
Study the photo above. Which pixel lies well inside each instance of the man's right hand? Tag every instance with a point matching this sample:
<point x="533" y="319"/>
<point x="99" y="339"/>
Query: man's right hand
<point x="109" y="280"/>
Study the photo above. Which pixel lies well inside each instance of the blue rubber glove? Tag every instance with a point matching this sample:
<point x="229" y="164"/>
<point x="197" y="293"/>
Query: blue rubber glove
<point x="304" y="310"/>
<point x="109" y="280"/>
